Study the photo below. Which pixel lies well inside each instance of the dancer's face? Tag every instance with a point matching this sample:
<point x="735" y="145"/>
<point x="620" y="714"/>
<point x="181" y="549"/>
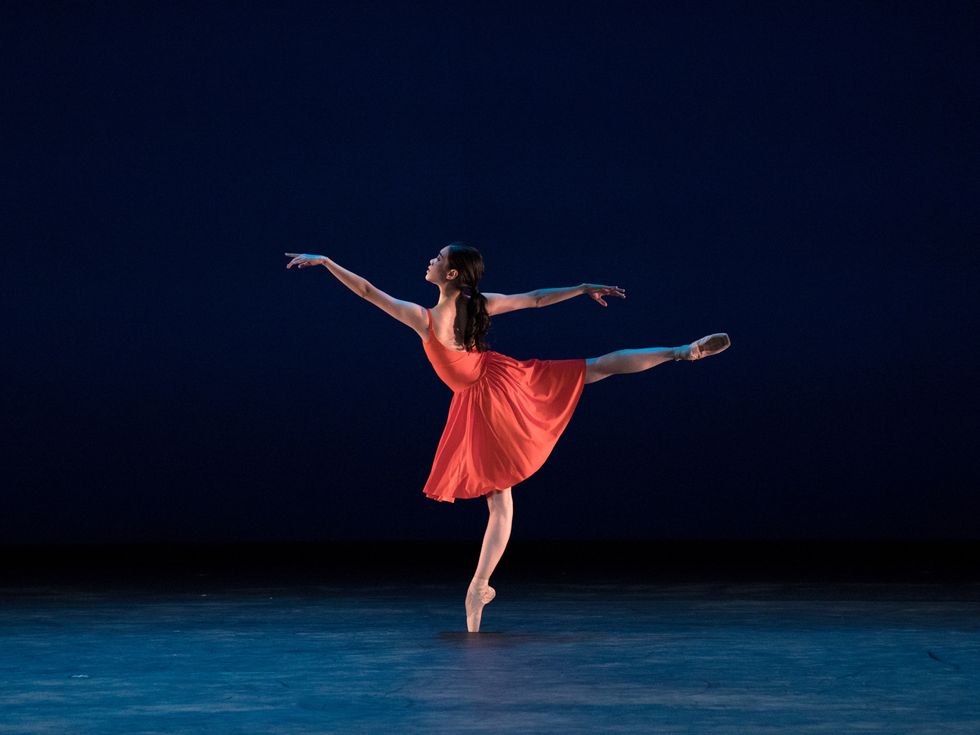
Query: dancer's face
<point x="437" y="270"/>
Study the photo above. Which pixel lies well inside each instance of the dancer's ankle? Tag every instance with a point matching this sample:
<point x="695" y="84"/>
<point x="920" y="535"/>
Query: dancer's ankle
<point x="480" y="582"/>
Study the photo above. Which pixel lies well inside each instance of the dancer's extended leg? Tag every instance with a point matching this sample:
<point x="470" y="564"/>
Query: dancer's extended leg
<point x="628" y="361"/>
<point x="501" y="504"/>
<point x="635" y="361"/>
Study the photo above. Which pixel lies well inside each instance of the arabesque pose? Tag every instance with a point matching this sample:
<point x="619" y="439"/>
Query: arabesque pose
<point x="506" y="415"/>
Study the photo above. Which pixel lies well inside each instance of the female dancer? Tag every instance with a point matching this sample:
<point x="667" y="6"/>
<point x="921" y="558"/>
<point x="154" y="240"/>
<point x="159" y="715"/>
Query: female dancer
<point x="506" y="415"/>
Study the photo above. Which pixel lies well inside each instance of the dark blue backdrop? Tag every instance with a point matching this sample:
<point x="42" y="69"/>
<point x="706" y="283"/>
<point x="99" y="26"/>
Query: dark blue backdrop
<point x="801" y="175"/>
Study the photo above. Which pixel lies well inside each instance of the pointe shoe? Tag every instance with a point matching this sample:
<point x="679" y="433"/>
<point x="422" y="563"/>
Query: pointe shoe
<point x="707" y="346"/>
<point x="476" y="599"/>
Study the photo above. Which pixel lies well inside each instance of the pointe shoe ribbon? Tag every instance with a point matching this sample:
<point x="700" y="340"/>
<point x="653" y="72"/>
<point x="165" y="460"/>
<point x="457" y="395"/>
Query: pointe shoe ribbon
<point x="710" y="345"/>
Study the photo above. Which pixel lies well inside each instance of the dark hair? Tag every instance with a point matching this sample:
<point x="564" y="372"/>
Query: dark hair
<point x="472" y="318"/>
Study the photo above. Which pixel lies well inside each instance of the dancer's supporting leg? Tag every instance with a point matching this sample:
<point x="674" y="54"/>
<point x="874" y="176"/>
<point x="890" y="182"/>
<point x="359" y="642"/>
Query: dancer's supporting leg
<point x="501" y="504"/>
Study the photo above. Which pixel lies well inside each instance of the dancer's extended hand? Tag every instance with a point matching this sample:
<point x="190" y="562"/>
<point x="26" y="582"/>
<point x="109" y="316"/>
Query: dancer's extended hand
<point x="596" y="291"/>
<point x="301" y="260"/>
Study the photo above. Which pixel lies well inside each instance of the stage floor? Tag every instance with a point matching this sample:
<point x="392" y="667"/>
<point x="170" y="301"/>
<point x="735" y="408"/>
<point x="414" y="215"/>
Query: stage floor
<point x="202" y="655"/>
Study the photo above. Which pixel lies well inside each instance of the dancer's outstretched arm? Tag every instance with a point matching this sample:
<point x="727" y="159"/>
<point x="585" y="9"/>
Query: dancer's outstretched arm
<point x="501" y="303"/>
<point x="354" y="282"/>
<point x="549" y="296"/>
<point x="406" y="312"/>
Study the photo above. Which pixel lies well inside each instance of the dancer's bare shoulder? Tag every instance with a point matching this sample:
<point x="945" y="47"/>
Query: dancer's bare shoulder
<point x="443" y="319"/>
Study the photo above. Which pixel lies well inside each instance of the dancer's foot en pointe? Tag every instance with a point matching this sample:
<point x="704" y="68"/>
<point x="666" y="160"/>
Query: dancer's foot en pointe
<point x="704" y="347"/>
<point x="477" y="596"/>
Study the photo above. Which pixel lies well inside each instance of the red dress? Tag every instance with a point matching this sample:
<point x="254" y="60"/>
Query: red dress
<point x="504" y="419"/>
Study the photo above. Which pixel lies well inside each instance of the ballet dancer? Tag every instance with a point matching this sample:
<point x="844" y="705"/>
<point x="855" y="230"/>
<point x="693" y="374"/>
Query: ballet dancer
<point x="506" y="415"/>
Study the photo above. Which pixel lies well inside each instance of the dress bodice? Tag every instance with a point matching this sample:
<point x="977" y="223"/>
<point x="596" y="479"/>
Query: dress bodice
<point x="456" y="368"/>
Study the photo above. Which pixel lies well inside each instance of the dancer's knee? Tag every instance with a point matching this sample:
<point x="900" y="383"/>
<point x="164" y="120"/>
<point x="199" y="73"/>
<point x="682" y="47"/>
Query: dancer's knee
<point x="594" y="371"/>
<point x="500" y="501"/>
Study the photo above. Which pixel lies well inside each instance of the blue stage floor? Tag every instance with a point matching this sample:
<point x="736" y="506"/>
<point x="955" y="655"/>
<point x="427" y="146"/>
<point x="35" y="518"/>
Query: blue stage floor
<point x="552" y="657"/>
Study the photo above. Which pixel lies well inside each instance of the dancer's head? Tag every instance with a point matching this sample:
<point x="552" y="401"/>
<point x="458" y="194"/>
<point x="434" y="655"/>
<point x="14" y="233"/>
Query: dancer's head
<point x="455" y="266"/>
<point x="457" y="270"/>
